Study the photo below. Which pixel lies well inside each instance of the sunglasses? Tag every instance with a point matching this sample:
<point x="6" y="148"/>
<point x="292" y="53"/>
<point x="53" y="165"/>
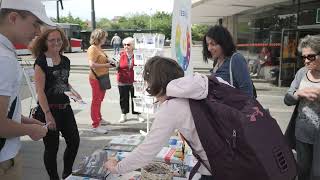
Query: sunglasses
<point x="126" y="44"/>
<point x="310" y="57"/>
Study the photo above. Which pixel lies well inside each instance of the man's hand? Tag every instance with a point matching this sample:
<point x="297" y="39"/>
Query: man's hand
<point x="111" y="165"/>
<point x="310" y="94"/>
<point x="37" y="131"/>
<point x="50" y="121"/>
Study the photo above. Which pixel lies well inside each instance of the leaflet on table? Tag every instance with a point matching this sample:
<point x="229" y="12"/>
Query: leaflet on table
<point x="93" y="166"/>
<point x="72" y="177"/>
<point x="132" y="140"/>
<point x="74" y="97"/>
<point x="117" y="147"/>
<point x="168" y="155"/>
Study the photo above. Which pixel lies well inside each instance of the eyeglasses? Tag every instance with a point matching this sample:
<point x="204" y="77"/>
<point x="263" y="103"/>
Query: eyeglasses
<point x="310" y="57"/>
<point x="126" y="44"/>
<point x="58" y="41"/>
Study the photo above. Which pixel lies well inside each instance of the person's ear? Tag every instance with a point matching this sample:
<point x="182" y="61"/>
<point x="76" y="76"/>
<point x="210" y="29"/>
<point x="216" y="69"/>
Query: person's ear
<point x="12" y="17"/>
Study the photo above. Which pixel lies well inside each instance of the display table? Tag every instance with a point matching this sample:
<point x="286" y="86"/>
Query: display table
<point x="92" y="167"/>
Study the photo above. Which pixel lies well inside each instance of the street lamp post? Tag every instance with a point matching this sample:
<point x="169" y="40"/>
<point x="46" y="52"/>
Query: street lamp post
<point x="58" y="16"/>
<point x="93" y="16"/>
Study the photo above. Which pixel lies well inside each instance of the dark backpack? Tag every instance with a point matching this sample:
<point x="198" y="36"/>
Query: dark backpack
<point x="9" y="116"/>
<point x="241" y="140"/>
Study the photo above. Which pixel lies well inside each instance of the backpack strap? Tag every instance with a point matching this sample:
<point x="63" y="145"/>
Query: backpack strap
<point x="12" y="108"/>
<point x="195" y="169"/>
<point x="95" y="74"/>
<point x="254" y="91"/>
<point x="9" y="116"/>
<point x="230" y="68"/>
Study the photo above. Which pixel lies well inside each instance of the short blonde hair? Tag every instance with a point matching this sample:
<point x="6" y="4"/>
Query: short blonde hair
<point x="97" y="35"/>
<point x="128" y="40"/>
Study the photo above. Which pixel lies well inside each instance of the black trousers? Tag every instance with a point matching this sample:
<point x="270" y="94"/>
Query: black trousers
<point x="205" y="177"/>
<point x="304" y="160"/>
<point x="66" y="124"/>
<point x="126" y="94"/>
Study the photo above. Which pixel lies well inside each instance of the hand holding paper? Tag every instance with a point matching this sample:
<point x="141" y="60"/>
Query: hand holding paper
<point x="111" y="165"/>
<point x="75" y="96"/>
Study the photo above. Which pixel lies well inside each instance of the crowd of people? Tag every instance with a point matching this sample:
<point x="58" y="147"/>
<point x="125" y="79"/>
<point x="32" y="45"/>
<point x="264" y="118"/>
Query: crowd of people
<point x="21" y="22"/>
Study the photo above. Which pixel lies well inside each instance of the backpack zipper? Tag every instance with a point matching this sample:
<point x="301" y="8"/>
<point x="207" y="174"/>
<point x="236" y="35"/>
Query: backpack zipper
<point x="234" y="138"/>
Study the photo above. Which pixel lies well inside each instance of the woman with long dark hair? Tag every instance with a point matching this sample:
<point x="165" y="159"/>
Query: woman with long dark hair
<point x="228" y="64"/>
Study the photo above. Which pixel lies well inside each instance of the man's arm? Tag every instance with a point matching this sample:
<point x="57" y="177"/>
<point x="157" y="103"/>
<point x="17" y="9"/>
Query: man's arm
<point x="27" y="120"/>
<point x="111" y="42"/>
<point x="9" y="128"/>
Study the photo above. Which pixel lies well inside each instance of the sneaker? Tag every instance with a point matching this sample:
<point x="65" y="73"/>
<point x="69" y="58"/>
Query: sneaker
<point x="100" y="130"/>
<point x="123" y="118"/>
<point x="104" y="122"/>
<point x="255" y="75"/>
<point x="140" y="119"/>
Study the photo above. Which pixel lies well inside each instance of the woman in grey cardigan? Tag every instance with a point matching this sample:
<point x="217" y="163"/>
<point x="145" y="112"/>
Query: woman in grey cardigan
<point x="304" y="92"/>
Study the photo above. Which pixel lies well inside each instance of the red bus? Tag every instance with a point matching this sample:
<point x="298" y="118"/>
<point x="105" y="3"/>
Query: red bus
<point x="72" y="32"/>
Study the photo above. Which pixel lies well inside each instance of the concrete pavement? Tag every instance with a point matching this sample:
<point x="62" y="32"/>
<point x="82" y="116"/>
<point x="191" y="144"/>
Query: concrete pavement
<point x="33" y="168"/>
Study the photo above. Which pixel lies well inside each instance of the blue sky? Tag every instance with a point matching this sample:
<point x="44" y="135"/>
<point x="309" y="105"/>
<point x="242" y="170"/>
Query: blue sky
<point x="108" y="8"/>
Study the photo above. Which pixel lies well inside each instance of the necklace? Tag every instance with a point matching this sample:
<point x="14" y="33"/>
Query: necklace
<point x="314" y="75"/>
<point x="219" y="63"/>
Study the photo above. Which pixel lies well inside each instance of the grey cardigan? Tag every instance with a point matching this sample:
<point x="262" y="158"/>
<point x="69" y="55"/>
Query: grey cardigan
<point x="290" y="99"/>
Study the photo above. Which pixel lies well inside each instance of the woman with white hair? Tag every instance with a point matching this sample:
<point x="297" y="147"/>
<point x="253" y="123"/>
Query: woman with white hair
<point x="125" y="78"/>
<point x="304" y="93"/>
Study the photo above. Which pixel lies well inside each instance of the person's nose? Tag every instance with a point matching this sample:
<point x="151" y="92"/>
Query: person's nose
<point x="306" y="61"/>
<point x="37" y="31"/>
<point x="210" y="48"/>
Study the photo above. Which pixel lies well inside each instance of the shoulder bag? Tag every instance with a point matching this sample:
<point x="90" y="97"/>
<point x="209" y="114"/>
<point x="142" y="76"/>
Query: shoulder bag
<point x="104" y="80"/>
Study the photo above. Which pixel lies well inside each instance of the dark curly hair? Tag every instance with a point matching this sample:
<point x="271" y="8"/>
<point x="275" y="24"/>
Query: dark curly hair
<point x="221" y="36"/>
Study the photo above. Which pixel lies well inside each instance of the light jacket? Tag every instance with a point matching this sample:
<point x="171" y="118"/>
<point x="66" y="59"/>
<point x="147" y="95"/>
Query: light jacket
<point x="290" y="99"/>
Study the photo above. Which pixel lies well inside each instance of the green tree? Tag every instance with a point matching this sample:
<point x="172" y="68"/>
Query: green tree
<point x="71" y="19"/>
<point x="198" y="31"/>
<point x="162" y="22"/>
<point x="104" y="23"/>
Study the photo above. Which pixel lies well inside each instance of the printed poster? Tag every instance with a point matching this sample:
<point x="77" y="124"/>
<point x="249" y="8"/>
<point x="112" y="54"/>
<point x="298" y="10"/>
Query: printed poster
<point x="181" y="34"/>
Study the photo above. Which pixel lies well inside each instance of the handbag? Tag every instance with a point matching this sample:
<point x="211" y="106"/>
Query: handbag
<point x="104" y="80"/>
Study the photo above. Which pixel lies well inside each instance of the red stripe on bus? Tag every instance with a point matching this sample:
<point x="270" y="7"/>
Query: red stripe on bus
<point x="20" y="46"/>
<point x="75" y="42"/>
<point x="259" y="45"/>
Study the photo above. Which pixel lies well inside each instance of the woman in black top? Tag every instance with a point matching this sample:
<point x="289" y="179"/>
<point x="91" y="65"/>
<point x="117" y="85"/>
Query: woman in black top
<point x="51" y="79"/>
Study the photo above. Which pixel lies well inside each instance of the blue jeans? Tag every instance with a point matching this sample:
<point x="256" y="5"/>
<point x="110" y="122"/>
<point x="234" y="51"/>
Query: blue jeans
<point x="116" y="48"/>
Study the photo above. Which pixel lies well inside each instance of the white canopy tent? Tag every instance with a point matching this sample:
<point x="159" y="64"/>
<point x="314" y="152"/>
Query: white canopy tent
<point x="209" y="11"/>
